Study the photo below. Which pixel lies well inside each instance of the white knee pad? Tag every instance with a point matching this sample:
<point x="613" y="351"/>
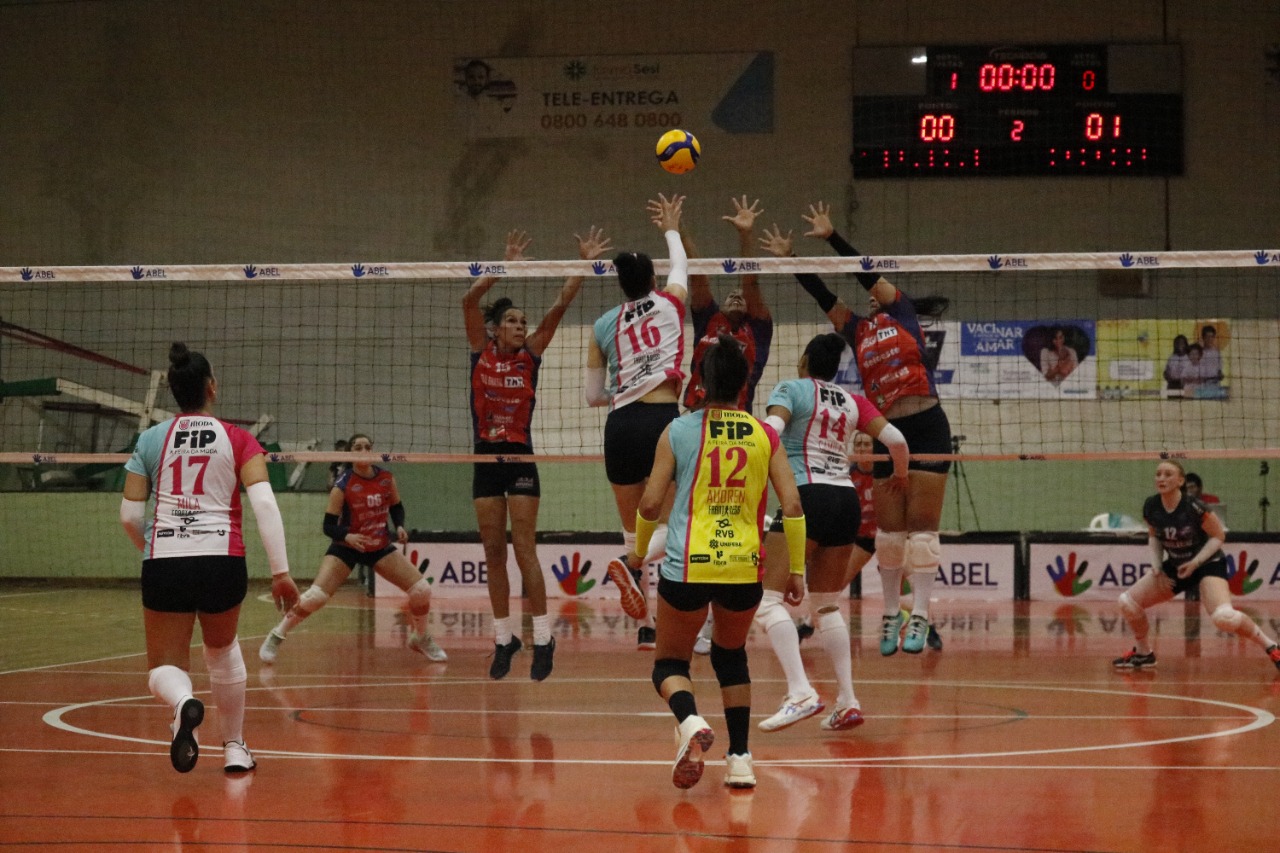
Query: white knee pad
<point x="771" y="612"/>
<point x="891" y="548"/>
<point x="312" y="600"/>
<point x="823" y="602"/>
<point x="1129" y="607"/>
<point x="226" y="665"/>
<point x="1227" y="619"/>
<point x="420" y="596"/>
<point x="924" y="552"/>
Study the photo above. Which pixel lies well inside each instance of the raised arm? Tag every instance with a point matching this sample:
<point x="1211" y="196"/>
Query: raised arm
<point x="819" y="220"/>
<point x="666" y="215"/>
<point x="472" y="316"/>
<point x="589" y="248"/>
<point x="699" y="284"/>
<point x="776" y="243"/>
<point x="744" y="220"/>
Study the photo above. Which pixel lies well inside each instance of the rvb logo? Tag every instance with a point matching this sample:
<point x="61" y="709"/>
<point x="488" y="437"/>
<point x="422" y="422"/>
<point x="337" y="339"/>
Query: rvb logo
<point x="140" y="273"/>
<point x="1067" y="577"/>
<point x="29" y="274"/>
<point x="492" y="269"/>
<point x="599" y="267"/>
<point x="251" y="271"/>
<point x="571" y="573"/>
<point x="360" y="271"/>
<point x="1128" y="260"/>
<point x="1261" y="257"/>
<point x="1241" y="573"/>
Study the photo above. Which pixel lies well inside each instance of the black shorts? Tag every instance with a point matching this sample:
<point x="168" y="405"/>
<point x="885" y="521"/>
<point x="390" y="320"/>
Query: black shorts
<point x="926" y="432"/>
<point x="352" y="558"/>
<point x="687" y="597"/>
<point x="209" y="583"/>
<point x="832" y="514"/>
<point x="500" y="479"/>
<point x="630" y="437"/>
<point x="866" y="543"/>
<point x="1212" y="569"/>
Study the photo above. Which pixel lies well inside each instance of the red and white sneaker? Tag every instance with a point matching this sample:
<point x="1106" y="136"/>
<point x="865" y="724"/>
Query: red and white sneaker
<point x="1273" y="652"/>
<point x="842" y="719"/>
<point x="634" y="603"/>
<point x="693" y="738"/>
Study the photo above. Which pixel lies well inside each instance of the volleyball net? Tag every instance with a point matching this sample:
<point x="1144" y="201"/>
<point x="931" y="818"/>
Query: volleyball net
<point x="1064" y="376"/>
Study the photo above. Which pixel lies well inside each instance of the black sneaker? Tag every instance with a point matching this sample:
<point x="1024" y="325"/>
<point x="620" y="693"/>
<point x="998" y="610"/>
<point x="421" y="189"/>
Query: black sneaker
<point x="804" y="630"/>
<point x="502" y="656"/>
<point x="646" y="638"/>
<point x="1132" y="660"/>
<point x="542" y="660"/>
<point x="184" y="750"/>
<point x="934" y="640"/>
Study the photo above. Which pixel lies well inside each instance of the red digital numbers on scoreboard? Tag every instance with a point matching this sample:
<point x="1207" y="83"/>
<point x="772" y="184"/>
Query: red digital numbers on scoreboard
<point x="1011" y="110"/>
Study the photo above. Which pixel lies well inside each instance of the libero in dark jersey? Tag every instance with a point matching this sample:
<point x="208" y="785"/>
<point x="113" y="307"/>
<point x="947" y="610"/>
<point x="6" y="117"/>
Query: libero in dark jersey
<point x="1186" y="545"/>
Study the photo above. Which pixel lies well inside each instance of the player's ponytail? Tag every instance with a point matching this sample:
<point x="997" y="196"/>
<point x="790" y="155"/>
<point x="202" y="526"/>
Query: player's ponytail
<point x="635" y="273"/>
<point x="493" y="314"/>
<point x="189" y="374"/>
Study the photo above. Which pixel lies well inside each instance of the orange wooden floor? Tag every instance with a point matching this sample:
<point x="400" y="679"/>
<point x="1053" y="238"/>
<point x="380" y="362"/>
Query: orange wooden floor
<point x="1017" y="736"/>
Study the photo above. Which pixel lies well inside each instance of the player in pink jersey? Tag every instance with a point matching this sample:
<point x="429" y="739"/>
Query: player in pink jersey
<point x="191" y="467"/>
<point x="361" y="503"/>
<point x="889" y="348"/>
<point x="505" y="357"/>
<point x="633" y="366"/>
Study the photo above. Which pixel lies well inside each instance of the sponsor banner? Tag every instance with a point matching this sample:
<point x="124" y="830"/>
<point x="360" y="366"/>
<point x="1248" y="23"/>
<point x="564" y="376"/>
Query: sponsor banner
<point x="976" y="571"/>
<point x="459" y="569"/>
<point x="557" y="96"/>
<point x="1040" y="359"/>
<point x="1102" y="571"/>
<point x="1154" y="359"/>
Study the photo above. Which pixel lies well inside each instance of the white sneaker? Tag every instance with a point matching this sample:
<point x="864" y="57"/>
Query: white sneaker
<point x="426" y="645"/>
<point x="738" y="772"/>
<point x="270" y="648"/>
<point x="693" y="738"/>
<point x="703" y="644"/>
<point x="236" y="757"/>
<point x="793" y="710"/>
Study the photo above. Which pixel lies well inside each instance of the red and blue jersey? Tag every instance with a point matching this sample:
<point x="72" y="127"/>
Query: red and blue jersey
<point x="366" y="504"/>
<point x="890" y="352"/>
<point x="503" y="394"/>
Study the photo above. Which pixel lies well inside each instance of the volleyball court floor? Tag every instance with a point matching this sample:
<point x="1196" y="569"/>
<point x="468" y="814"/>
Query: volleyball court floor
<point x="1016" y="736"/>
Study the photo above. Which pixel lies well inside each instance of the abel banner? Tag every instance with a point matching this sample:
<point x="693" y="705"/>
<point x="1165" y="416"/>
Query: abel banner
<point x="974" y="572"/>
<point x="1103" y="571"/>
<point x="1151" y="359"/>
<point x="543" y="96"/>
<point x="459" y="569"/>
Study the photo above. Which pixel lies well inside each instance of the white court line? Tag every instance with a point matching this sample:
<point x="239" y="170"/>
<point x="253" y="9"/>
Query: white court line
<point x="38" y="592"/>
<point x="1261" y="719"/>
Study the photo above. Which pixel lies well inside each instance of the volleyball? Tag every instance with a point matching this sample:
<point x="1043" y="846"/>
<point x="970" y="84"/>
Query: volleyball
<point x="678" y="151"/>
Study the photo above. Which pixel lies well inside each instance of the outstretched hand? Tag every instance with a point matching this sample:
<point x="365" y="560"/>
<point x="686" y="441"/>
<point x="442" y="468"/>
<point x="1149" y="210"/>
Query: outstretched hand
<point x="775" y="242"/>
<point x="517" y="242"/>
<point x="593" y="245"/>
<point x="819" y="220"/>
<point x="744" y="216"/>
<point x="665" y="212"/>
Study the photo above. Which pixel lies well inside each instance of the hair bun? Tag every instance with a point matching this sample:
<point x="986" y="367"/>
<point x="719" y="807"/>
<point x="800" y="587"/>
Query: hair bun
<point x="179" y="355"/>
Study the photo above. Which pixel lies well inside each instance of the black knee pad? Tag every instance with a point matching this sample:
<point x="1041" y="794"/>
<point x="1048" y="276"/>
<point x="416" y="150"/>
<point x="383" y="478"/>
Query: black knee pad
<point x="730" y="665"/>
<point x="666" y="668"/>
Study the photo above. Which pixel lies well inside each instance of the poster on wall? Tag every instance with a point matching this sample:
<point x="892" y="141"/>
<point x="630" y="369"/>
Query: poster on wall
<point x="1026" y="359"/>
<point x="556" y="96"/>
<point x="1101" y="571"/>
<point x="1171" y="359"/>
